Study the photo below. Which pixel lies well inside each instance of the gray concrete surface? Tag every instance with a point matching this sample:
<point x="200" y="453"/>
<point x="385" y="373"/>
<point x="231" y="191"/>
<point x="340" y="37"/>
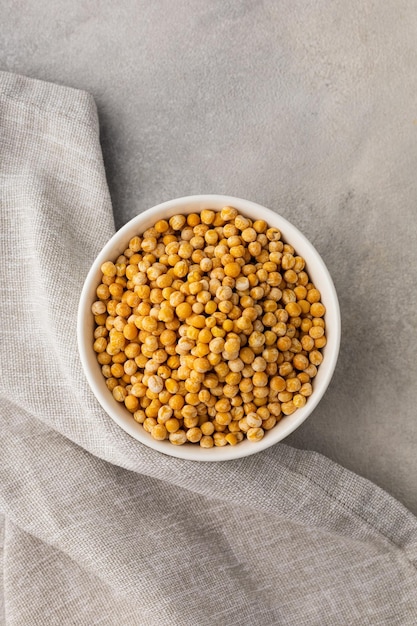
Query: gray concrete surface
<point x="306" y="107"/>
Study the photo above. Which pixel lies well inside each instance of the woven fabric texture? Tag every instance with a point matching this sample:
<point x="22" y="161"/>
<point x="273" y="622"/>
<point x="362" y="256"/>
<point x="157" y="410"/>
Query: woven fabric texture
<point x="99" y="529"/>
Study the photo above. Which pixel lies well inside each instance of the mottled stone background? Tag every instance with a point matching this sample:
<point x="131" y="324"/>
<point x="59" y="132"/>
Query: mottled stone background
<point x="309" y="108"/>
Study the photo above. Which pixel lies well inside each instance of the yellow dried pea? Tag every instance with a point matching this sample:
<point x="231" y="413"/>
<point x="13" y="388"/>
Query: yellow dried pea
<point x="255" y="434"/>
<point x="208" y="328"/>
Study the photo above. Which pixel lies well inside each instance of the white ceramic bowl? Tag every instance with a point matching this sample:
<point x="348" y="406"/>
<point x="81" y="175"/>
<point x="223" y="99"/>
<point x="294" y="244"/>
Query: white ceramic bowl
<point x="319" y="276"/>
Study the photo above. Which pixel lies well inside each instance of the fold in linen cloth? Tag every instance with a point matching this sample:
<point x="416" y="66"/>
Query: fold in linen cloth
<point x="99" y="529"/>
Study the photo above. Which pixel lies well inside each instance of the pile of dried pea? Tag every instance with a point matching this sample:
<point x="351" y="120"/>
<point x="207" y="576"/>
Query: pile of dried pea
<point x="208" y="328"/>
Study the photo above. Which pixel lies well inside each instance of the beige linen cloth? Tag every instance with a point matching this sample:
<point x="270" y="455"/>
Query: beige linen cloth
<point x="99" y="529"/>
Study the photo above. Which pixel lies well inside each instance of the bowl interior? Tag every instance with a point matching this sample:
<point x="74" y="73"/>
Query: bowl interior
<point x="316" y="270"/>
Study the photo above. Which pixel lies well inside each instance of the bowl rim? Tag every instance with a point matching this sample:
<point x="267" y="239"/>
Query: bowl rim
<point x="126" y="421"/>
